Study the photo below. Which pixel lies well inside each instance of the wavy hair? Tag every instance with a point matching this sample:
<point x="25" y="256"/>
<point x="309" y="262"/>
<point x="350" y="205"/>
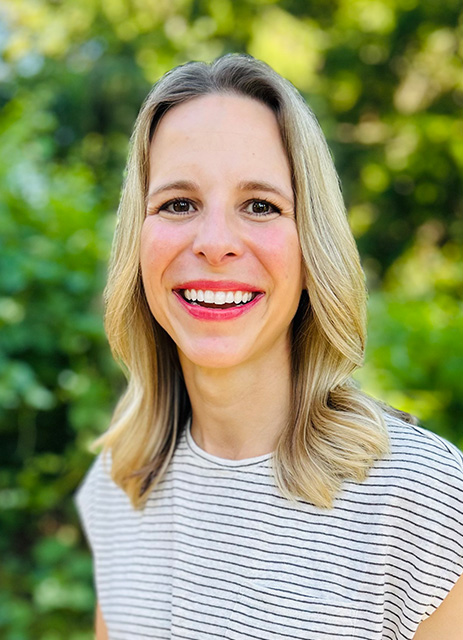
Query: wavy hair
<point x="335" y="432"/>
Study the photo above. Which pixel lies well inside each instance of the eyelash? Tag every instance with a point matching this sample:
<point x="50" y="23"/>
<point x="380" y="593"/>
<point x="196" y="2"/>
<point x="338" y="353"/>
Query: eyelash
<point x="272" y="205"/>
<point x="164" y="206"/>
<point x="275" y="208"/>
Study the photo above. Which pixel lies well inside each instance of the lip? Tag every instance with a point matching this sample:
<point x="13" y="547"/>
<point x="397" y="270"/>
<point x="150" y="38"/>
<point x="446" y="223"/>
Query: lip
<point x="217" y="315"/>
<point x="217" y="285"/>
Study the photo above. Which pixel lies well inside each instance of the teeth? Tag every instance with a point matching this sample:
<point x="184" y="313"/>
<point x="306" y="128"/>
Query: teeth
<point x="218" y="297"/>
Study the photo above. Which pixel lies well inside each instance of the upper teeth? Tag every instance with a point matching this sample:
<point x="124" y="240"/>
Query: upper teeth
<point x="218" y="297"/>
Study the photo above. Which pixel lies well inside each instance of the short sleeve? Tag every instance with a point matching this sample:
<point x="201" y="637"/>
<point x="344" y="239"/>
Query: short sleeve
<point x="86" y="498"/>
<point x="424" y="485"/>
<point x="104" y="510"/>
<point x="450" y="543"/>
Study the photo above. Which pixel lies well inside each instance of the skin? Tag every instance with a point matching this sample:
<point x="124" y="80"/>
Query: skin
<point x="237" y="371"/>
<point x="101" y="632"/>
<point x="446" y="623"/>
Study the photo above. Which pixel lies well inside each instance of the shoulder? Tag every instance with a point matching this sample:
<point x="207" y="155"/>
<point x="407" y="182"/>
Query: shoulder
<point x="98" y="499"/>
<point x="419" y="453"/>
<point x="403" y="432"/>
<point x="97" y="479"/>
<point x="421" y="484"/>
<point x="421" y="481"/>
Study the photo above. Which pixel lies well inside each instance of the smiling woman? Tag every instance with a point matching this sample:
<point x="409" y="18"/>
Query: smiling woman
<point x="247" y="489"/>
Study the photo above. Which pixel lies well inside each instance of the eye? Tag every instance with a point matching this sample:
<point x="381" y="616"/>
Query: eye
<point x="261" y="208"/>
<point x="179" y="206"/>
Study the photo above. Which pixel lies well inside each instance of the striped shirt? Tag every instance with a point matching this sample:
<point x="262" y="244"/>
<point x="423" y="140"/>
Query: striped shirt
<point x="217" y="552"/>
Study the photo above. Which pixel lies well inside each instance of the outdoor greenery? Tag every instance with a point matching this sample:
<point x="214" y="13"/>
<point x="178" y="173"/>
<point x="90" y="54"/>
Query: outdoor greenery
<point x="385" y="78"/>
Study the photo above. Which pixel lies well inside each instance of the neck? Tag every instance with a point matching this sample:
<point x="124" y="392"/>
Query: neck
<point x="239" y="412"/>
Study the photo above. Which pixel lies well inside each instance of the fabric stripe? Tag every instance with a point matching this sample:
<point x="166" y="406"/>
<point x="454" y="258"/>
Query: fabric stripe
<point x="218" y="552"/>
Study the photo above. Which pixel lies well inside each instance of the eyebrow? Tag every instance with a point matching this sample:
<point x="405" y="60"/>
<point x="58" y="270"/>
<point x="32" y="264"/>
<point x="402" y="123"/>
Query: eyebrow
<point x="188" y="185"/>
<point x="176" y="185"/>
<point x="257" y="185"/>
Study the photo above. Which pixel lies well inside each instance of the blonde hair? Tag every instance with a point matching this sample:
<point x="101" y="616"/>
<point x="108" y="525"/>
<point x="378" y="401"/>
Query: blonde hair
<point x="335" y="432"/>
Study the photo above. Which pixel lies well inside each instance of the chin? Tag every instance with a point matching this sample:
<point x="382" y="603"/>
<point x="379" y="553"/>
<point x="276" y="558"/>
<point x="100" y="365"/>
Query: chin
<point x="210" y="357"/>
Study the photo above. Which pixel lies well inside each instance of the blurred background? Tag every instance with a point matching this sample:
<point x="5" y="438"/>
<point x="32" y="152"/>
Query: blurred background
<point x="385" y="78"/>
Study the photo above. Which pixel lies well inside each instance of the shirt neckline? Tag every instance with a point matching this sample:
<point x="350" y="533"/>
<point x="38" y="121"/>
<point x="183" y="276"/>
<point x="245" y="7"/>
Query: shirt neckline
<point x="222" y="462"/>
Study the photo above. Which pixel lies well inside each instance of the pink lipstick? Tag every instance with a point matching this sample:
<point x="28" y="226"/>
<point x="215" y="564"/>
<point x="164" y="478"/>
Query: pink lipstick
<point x="217" y="300"/>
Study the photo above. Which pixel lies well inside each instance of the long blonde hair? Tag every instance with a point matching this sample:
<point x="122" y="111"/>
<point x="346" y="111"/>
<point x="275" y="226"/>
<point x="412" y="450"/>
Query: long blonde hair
<point x="335" y="432"/>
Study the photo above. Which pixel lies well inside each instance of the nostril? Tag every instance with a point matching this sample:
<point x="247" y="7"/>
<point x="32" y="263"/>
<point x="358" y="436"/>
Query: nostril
<point x="215" y="253"/>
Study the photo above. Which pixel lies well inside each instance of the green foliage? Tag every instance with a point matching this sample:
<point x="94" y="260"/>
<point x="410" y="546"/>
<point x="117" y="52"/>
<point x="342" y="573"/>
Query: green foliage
<point x="56" y="378"/>
<point x="415" y="359"/>
<point x="385" y="79"/>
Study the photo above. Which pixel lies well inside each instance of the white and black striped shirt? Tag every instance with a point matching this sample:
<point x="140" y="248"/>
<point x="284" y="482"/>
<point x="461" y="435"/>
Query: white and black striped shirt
<point x="218" y="553"/>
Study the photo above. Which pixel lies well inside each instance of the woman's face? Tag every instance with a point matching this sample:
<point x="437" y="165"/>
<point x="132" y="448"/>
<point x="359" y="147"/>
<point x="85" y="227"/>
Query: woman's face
<point x="220" y="255"/>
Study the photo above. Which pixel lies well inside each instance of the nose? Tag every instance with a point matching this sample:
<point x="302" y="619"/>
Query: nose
<point x="217" y="238"/>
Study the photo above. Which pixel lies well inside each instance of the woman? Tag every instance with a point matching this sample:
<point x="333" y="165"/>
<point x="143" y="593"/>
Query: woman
<point x="249" y="489"/>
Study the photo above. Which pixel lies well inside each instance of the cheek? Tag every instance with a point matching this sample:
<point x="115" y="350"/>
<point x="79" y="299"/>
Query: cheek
<point x="280" y="250"/>
<point x="160" y="243"/>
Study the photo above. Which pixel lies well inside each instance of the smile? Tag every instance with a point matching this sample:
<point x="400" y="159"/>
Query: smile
<point x="204" y="301"/>
<point x="213" y="299"/>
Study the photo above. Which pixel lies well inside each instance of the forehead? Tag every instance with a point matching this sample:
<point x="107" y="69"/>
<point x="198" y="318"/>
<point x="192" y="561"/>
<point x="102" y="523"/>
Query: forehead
<point x="228" y="131"/>
<point x="216" y="111"/>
